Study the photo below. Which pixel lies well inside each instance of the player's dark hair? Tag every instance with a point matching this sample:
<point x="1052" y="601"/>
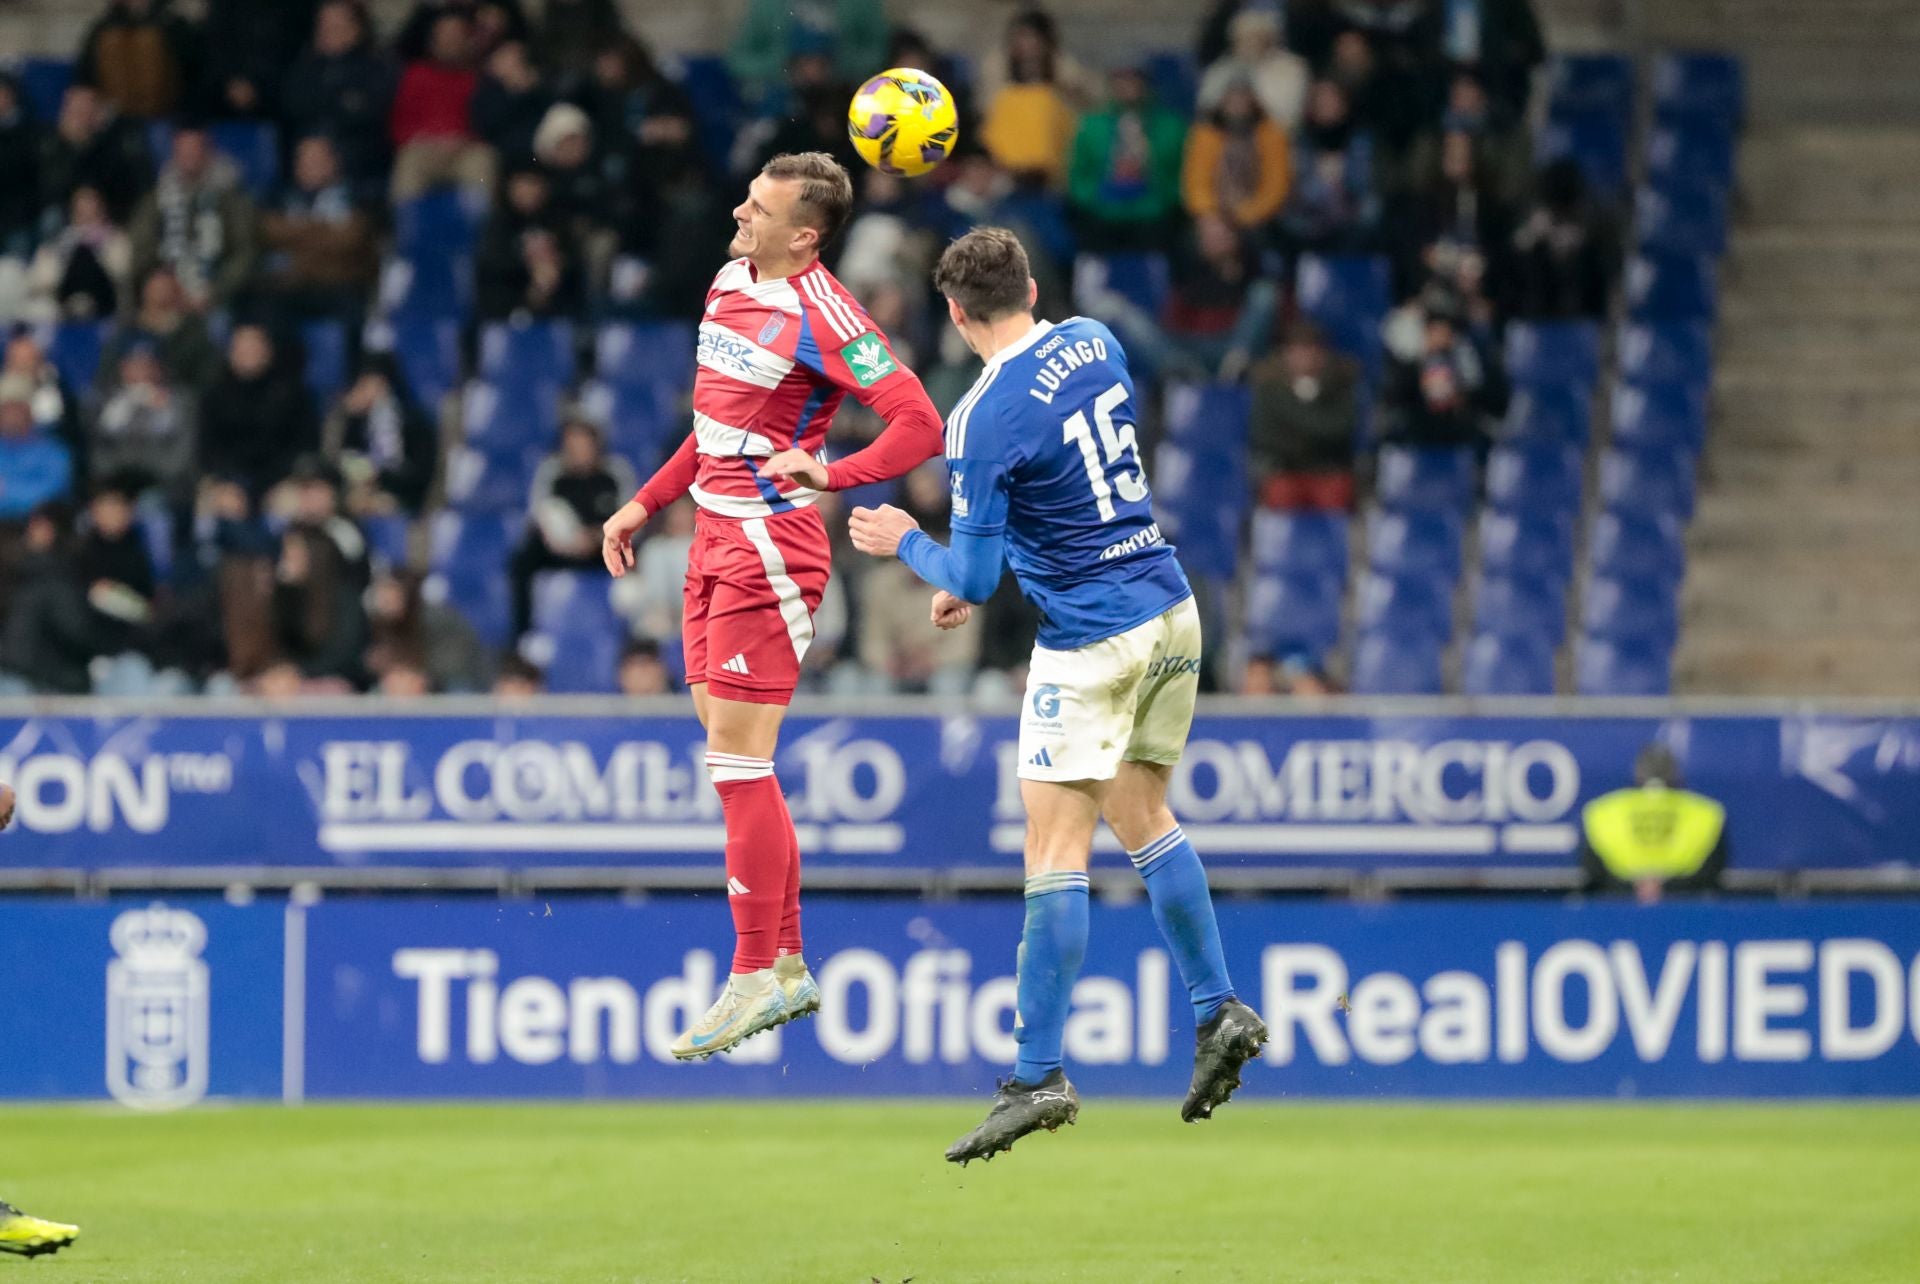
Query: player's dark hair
<point x="826" y="191"/>
<point x="986" y="272"/>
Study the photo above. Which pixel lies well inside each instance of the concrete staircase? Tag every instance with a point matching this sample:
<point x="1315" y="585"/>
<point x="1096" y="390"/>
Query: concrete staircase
<point x="1804" y="574"/>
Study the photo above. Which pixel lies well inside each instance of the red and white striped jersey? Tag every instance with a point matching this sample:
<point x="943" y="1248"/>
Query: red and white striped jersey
<point x="775" y="360"/>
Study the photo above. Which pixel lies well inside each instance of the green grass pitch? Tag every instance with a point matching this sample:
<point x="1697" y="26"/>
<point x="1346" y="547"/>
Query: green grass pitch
<point x="856" y="1192"/>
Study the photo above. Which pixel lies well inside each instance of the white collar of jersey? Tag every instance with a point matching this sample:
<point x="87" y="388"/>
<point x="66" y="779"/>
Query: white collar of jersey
<point x="1023" y="344"/>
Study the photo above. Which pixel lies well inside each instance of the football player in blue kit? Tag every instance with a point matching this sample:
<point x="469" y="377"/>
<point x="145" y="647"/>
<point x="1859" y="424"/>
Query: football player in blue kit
<point x="1046" y="476"/>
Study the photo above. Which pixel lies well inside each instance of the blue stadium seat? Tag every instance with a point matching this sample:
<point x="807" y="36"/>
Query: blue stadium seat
<point x="428" y="354"/>
<point x="1640" y="668"/>
<point x="1420" y="543"/>
<point x="387" y="537"/>
<point x="1142" y="278"/>
<point x="1700" y="84"/>
<point x="1411" y="478"/>
<point x="473" y="543"/>
<point x="1557" y="414"/>
<point x="1553" y="353"/>
<point x="484" y="600"/>
<point x="1632" y="546"/>
<point x="491" y="482"/>
<point x="511" y="417"/>
<point x="1301" y="543"/>
<point x="1174" y="80"/>
<point x="1209" y="421"/>
<point x="637" y="418"/>
<point x="1594" y="140"/>
<point x="581" y="663"/>
<point x="1579" y="83"/>
<point x="1667" y="352"/>
<point x="1676" y="218"/>
<point x="1675" y="287"/>
<point x="1407" y="605"/>
<point x="254" y="146"/>
<point x="717" y="107"/>
<point x="1535" y="478"/>
<point x="438" y="225"/>
<point x="1388" y="665"/>
<point x="1664" y="416"/>
<point x="1618" y="610"/>
<point x="1651" y="482"/>
<point x="44" y="81"/>
<point x="568" y="603"/>
<point x="1513" y="607"/>
<point x="1293" y="615"/>
<point x="74" y="348"/>
<point x="428" y="288"/>
<point x="1507" y="666"/>
<point x="536" y="352"/>
<point x="1347" y="295"/>
<point x="1530" y="545"/>
<point x="1703" y="151"/>
<point x="633" y="354"/>
<point x="326" y="347"/>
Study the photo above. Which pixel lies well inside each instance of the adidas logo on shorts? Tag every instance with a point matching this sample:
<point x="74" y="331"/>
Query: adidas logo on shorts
<point x="738" y="664"/>
<point x="737" y="888"/>
<point x="1041" y="759"/>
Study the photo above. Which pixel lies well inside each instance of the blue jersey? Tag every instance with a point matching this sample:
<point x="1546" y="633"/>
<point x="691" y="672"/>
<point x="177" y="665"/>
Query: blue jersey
<point x="1042" y="449"/>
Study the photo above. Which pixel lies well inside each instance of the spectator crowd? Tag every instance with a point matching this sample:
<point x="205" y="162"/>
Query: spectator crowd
<point x="236" y="488"/>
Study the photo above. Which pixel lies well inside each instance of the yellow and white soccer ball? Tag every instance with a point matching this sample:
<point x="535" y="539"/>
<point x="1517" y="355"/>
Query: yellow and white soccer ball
<point x="903" y="122"/>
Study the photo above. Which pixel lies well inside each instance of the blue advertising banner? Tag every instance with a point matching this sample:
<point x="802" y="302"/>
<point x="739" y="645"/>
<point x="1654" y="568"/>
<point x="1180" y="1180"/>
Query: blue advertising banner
<point x="917" y="791"/>
<point x="581" y="998"/>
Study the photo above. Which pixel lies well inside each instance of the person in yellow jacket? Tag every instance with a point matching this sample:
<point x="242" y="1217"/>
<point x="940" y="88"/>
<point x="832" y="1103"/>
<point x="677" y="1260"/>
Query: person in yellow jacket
<point x="1238" y="163"/>
<point x="1655" y="837"/>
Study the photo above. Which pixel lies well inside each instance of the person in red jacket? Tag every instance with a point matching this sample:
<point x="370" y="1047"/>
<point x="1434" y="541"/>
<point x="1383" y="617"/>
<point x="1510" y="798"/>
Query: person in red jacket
<point x="782" y="344"/>
<point x="432" y="120"/>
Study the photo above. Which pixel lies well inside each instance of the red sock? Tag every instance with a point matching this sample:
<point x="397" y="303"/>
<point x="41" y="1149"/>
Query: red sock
<point x="790" y="904"/>
<point x="758" y="833"/>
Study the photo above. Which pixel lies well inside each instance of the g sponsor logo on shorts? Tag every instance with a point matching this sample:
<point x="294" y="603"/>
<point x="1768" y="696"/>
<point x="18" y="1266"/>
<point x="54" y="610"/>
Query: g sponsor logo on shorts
<point x="1046" y="701"/>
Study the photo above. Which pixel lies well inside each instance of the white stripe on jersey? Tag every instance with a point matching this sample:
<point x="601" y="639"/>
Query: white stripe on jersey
<point x="963" y="411"/>
<point x="724" y="440"/>
<point x="737" y="357"/>
<point x="747" y="505"/>
<point x="839" y="316"/>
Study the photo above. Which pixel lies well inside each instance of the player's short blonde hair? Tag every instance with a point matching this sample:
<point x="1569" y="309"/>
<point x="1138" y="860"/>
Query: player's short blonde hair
<point x="826" y="190"/>
<point x="986" y="272"/>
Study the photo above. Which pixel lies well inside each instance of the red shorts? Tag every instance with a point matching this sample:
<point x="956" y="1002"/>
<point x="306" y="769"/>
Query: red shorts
<point x="752" y="587"/>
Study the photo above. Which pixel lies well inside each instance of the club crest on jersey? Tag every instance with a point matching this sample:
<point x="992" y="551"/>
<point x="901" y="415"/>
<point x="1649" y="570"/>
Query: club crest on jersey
<point x="771" y="330"/>
<point x="869" y="360"/>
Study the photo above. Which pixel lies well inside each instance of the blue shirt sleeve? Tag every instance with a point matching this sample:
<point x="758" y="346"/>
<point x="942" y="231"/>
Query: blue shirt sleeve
<point x="969" y="570"/>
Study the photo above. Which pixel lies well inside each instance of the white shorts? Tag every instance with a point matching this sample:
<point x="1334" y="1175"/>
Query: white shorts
<point x="1128" y="698"/>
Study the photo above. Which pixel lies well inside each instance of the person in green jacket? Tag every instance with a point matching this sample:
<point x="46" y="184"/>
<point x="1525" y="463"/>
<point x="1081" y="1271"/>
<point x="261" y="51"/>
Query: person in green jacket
<point x="852" y="32"/>
<point x="1123" y="175"/>
<point x="1654" y="837"/>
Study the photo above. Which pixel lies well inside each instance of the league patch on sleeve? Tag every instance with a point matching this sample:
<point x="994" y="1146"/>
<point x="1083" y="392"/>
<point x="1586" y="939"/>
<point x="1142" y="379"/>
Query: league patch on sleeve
<point x="869" y="360"/>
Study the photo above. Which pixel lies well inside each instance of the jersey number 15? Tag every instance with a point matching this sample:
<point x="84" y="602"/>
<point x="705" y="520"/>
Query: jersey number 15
<point x="1117" y="444"/>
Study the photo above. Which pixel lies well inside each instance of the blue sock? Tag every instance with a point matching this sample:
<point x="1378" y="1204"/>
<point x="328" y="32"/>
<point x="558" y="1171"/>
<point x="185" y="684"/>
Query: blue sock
<point x="1051" y="949"/>
<point x="1183" y="907"/>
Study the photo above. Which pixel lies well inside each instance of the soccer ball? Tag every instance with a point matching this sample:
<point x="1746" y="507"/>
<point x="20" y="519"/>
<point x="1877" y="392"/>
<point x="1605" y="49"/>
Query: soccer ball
<point x="902" y="122"/>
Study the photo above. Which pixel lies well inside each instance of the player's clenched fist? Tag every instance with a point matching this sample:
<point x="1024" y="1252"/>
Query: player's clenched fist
<point x="950" y="612"/>
<point x="616" y="537"/>
<point x="879" y="530"/>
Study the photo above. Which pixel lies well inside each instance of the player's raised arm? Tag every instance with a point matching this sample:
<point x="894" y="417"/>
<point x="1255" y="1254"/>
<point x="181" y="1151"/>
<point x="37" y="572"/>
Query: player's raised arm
<point x="849" y="351"/>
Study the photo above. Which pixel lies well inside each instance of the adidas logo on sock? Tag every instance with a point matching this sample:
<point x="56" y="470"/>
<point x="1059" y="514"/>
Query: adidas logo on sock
<point x="738" y="664"/>
<point x="737" y="888"/>
<point x="1041" y="759"/>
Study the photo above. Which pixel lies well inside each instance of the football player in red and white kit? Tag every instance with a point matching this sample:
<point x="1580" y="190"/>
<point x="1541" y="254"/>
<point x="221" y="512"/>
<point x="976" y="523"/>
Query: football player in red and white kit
<point x="780" y="345"/>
